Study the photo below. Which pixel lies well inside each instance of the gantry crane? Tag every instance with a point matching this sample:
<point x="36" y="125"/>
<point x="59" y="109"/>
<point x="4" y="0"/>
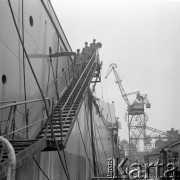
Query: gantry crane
<point x="136" y="118"/>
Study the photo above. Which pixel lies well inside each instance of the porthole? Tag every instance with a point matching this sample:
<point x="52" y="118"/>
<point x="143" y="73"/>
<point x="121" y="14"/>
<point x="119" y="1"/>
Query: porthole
<point x="31" y="21"/>
<point x="4" y="79"/>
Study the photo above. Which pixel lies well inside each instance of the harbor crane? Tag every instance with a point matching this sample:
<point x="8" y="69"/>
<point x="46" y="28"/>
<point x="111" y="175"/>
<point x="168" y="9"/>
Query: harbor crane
<point x="135" y="117"/>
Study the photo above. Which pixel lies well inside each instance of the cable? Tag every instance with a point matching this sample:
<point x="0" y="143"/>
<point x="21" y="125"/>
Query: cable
<point x="108" y="128"/>
<point x="56" y="29"/>
<point x="109" y="112"/>
<point x="98" y="148"/>
<point x="54" y="78"/>
<point x="24" y="72"/>
<point x="96" y="161"/>
<point x="47" y="88"/>
<point x="91" y="139"/>
<point x="26" y="53"/>
<point x="108" y="103"/>
<point x="9" y="49"/>
<point x="102" y="118"/>
<point x="67" y="173"/>
<point x="84" y="145"/>
<point x="40" y="168"/>
<point x="101" y="142"/>
<point x="66" y="163"/>
<point x="21" y="131"/>
<point x="87" y="117"/>
<point x="13" y="53"/>
<point x="47" y="112"/>
<point x="25" y="28"/>
<point x="20" y="112"/>
<point x="49" y="8"/>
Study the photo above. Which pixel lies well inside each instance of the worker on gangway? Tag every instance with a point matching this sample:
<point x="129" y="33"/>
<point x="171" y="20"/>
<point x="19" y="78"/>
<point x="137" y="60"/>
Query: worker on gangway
<point x="93" y="47"/>
<point x="86" y="54"/>
<point x="78" y="64"/>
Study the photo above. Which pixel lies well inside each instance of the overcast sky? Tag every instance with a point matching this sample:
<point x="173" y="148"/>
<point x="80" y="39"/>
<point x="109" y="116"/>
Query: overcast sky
<point x="143" y="38"/>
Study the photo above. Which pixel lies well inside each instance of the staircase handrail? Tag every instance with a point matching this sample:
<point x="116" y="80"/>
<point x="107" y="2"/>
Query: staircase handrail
<point x="77" y="82"/>
<point x="64" y="71"/>
<point x="13" y="112"/>
<point x="65" y="140"/>
<point x="67" y="77"/>
<point x="80" y="88"/>
<point x="63" y="81"/>
<point x="8" y="101"/>
<point x="24" y="102"/>
<point x="12" y="132"/>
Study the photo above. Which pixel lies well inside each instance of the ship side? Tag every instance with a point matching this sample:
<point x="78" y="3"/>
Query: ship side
<point x="51" y="139"/>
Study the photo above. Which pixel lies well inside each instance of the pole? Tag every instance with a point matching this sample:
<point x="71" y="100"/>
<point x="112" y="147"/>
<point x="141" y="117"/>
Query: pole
<point x="129" y="147"/>
<point x="92" y="136"/>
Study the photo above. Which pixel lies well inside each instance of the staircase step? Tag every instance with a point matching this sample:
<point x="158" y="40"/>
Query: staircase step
<point x="16" y="151"/>
<point x="50" y="136"/>
<point x="58" y="123"/>
<point x="68" y="103"/>
<point x="65" y="108"/>
<point x="56" y="126"/>
<point x="56" y="114"/>
<point x="66" y="116"/>
<point x="23" y="150"/>
<point x="56" y="131"/>
<point x="58" y="138"/>
<point x="64" y="113"/>
<point x="56" y="119"/>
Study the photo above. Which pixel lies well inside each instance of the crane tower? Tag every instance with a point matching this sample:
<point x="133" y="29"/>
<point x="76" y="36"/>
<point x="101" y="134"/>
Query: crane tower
<point x="135" y="116"/>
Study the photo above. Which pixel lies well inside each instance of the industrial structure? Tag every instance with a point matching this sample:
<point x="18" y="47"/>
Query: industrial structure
<point x="136" y="119"/>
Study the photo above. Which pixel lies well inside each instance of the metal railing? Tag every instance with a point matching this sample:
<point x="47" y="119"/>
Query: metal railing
<point x="12" y="113"/>
<point x="71" y="97"/>
<point x="11" y="164"/>
<point x="64" y="79"/>
<point x="8" y="101"/>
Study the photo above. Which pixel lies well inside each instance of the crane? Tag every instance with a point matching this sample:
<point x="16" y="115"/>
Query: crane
<point x="113" y="67"/>
<point x="137" y="107"/>
<point x="136" y="118"/>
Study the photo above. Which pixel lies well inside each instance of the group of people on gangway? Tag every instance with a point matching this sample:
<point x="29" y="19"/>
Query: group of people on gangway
<point x="82" y="58"/>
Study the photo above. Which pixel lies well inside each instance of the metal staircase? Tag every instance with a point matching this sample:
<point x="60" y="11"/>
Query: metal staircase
<point x="62" y="120"/>
<point x="23" y="149"/>
<point x="66" y="111"/>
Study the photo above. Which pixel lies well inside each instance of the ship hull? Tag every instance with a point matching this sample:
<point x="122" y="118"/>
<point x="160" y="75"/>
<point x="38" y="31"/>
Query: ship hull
<point x="29" y="73"/>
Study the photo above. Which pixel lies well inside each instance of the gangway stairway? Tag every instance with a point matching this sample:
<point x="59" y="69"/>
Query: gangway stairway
<point x="66" y="111"/>
<point x="62" y="120"/>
